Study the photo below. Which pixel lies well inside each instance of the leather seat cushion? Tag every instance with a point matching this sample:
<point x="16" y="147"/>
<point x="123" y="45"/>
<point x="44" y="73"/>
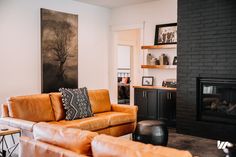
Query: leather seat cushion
<point x="90" y="123"/>
<point x="100" y="100"/>
<point x="57" y="105"/>
<point x="34" y="108"/>
<point x="117" y="118"/>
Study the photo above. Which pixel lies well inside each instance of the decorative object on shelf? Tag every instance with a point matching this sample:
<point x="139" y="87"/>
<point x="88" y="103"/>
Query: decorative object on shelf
<point x="175" y="60"/>
<point x="157" y="62"/>
<point x="164" y="60"/>
<point x="149" y="58"/>
<point x="147" y="80"/>
<point x="161" y="59"/>
<point x="59" y="50"/>
<point x="169" y="83"/>
<point x="153" y="61"/>
<point x="166" y="34"/>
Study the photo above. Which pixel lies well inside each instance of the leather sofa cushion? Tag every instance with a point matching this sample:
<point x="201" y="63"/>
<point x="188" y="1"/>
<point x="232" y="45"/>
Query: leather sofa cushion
<point x="57" y="105"/>
<point x="76" y="140"/>
<point x="118" y="130"/>
<point x="33" y="148"/>
<point x="104" y="146"/>
<point x="117" y="118"/>
<point x="100" y="100"/>
<point x="90" y="123"/>
<point x="34" y="108"/>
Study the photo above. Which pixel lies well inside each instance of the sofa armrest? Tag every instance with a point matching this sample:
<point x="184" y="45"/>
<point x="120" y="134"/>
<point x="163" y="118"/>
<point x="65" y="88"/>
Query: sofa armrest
<point x="18" y="123"/>
<point x="125" y="108"/>
<point x="30" y="147"/>
<point x="4" y="110"/>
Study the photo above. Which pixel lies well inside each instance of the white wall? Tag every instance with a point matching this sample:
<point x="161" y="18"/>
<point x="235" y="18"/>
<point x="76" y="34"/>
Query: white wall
<point x="20" y="56"/>
<point x="152" y="13"/>
<point x="123" y="56"/>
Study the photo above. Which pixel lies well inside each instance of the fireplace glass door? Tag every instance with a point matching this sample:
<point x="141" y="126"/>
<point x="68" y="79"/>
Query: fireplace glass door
<point x="217" y="100"/>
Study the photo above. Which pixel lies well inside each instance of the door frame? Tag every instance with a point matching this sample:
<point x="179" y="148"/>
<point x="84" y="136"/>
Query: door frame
<point x="113" y="60"/>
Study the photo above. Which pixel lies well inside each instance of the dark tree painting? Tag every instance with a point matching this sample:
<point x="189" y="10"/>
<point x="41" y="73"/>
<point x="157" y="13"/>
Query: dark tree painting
<point x="59" y="49"/>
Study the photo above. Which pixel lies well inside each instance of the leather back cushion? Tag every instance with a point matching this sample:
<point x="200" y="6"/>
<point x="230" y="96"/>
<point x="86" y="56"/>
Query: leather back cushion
<point x="34" y="108"/>
<point x="104" y="145"/>
<point x="59" y="111"/>
<point x="100" y="100"/>
<point x="76" y="140"/>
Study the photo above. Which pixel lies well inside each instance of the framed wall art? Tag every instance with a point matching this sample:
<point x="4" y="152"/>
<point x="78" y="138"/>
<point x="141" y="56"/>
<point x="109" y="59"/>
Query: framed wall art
<point x="59" y="50"/>
<point x="147" y="80"/>
<point x="166" y="34"/>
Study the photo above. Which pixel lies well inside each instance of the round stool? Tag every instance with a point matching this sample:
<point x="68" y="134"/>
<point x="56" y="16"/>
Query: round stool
<point x="151" y="131"/>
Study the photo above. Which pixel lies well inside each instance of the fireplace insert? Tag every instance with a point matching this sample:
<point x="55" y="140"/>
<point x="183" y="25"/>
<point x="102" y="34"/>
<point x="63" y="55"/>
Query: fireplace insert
<point x="216" y="100"/>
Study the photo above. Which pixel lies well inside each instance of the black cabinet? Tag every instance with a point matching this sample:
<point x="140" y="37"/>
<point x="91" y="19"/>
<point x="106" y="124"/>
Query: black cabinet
<point x="146" y="100"/>
<point x="156" y="104"/>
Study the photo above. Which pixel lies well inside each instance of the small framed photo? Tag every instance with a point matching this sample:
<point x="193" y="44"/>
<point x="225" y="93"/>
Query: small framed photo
<point x="166" y="34"/>
<point x="147" y="80"/>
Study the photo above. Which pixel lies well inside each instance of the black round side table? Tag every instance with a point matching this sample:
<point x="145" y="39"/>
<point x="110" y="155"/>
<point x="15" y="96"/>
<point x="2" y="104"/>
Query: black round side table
<point x="151" y="131"/>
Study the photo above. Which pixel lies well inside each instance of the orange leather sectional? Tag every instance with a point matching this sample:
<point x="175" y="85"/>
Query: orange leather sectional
<point x="26" y="111"/>
<point x="52" y="141"/>
<point x="46" y="133"/>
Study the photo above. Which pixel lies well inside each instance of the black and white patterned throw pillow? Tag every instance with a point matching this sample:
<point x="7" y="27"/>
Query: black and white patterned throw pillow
<point x="76" y="103"/>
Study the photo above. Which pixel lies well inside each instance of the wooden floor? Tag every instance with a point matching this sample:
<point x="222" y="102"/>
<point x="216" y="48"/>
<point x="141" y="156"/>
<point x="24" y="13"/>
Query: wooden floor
<point x="199" y="147"/>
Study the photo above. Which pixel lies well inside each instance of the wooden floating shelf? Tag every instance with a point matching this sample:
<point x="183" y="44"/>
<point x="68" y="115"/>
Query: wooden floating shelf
<point x="155" y="87"/>
<point x="159" y="66"/>
<point x="172" y="46"/>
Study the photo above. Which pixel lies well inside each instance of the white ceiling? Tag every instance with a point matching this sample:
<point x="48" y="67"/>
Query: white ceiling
<point x="114" y="3"/>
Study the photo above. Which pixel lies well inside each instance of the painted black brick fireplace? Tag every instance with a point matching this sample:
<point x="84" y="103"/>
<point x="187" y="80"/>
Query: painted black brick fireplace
<point x="206" y="52"/>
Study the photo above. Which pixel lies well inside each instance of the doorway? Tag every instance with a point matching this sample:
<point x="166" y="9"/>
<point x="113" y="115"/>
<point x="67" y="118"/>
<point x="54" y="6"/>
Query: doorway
<point x="123" y="73"/>
<point x="124" y="63"/>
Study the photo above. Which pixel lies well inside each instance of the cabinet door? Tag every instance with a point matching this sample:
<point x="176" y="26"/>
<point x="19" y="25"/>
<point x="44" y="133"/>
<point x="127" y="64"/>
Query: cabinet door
<point x="152" y="104"/>
<point x="141" y="102"/>
<point x="172" y="103"/>
<point x="163" y="105"/>
<point x="167" y="106"/>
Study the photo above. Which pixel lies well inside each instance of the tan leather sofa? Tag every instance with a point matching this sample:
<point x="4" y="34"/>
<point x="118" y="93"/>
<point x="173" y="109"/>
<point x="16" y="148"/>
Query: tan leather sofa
<point x="26" y="111"/>
<point x="52" y="141"/>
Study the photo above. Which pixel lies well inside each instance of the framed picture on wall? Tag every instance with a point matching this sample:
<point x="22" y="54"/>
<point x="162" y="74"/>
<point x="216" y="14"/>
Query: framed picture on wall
<point x="166" y="34"/>
<point x="59" y="50"/>
<point x="147" y="80"/>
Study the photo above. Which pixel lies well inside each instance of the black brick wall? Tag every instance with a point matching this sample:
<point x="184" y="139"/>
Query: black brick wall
<point x="206" y="48"/>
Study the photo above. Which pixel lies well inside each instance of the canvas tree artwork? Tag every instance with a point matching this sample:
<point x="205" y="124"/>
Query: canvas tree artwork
<point x="59" y="50"/>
